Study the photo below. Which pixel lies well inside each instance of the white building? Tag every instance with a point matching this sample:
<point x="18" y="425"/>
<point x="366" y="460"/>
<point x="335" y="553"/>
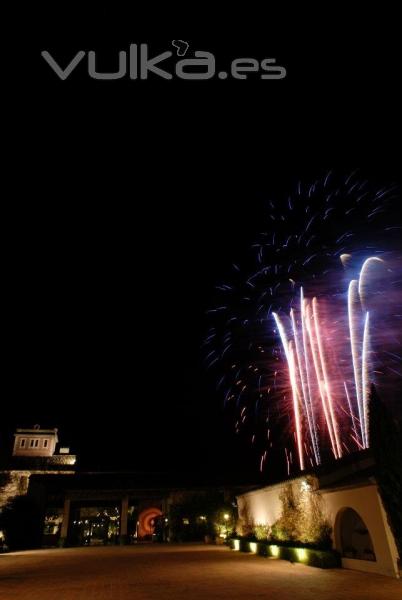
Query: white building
<point x="353" y="507"/>
<point x="35" y="451"/>
<point x="35" y="442"/>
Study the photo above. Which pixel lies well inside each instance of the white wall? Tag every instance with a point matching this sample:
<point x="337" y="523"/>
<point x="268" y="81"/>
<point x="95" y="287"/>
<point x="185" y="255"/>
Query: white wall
<point x="366" y="501"/>
<point x="264" y="507"/>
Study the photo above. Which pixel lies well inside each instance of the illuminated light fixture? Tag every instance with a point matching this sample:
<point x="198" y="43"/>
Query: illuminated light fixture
<point x="274" y="551"/>
<point x="226" y="517"/>
<point x="301" y="554"/>
<point x="253" y="547"/>
<point x="236" y="545"/>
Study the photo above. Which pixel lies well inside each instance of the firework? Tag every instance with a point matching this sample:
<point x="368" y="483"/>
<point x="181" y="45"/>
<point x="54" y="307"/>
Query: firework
<point x="301" y="366"/>
<point x="299" y="369"/>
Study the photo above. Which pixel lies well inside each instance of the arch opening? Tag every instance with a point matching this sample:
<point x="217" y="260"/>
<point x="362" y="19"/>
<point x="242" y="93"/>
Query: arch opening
<point x="354" y="536"/>
<point x="147" y="521"/>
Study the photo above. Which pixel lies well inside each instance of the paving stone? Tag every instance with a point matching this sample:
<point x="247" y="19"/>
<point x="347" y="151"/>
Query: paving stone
<point x="178" y="572"/>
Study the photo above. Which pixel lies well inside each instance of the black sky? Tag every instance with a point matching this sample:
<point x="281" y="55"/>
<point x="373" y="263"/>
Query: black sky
<point x="129" y="201"/>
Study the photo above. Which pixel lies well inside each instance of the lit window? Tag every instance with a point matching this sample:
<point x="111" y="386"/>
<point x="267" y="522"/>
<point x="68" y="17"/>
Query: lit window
<point x="186" y="521"/>
<point x="22" y="443"/>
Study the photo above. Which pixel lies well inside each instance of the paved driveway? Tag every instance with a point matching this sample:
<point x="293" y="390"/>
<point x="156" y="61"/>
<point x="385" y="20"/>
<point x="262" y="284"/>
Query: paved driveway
<point x="188" y="572"/>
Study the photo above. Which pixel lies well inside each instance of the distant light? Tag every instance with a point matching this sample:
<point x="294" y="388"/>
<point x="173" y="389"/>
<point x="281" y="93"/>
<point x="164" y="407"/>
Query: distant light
<point x="305" y="486"/>
<point x="236" y="544"/>
<point x="226" y="516"/>
<point x="274" y="551"/>
<point x="253" y="547"/>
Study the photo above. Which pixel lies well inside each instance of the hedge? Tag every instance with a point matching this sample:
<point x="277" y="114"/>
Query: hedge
<point x="324" y="559"/>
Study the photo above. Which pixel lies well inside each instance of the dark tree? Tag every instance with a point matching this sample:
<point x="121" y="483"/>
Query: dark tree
<point x="386" y="445"/>
<point x="197" y="517"/>
<point x="21" y="521"/>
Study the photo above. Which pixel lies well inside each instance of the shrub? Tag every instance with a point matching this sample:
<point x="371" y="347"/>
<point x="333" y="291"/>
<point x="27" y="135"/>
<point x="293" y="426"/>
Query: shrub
<point x="324" y="559"/>
<point x="288" y="525"/>
<point x="261" y="532"/>
<point x="302" y="521"/>
<point x="245" y="524"/>
<point x="244" y="545"/>
<point x="277" y="533"/>
<point x="21" y="521"/>
<point x="262" y="549"/>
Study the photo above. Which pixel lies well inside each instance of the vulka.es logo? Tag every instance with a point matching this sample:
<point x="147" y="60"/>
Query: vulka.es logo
<point x="137" y="64"/>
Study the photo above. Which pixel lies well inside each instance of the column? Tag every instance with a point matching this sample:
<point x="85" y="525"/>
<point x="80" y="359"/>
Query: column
<point x="123" y="520"/>
<point x="64" y="525"/>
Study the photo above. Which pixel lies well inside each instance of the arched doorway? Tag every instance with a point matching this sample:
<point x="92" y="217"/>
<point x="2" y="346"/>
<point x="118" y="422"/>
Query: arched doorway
<point x="353" y="536"/>
<point x="146" y="522"/>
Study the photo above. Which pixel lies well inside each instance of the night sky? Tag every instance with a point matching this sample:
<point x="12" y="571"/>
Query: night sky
<point x="129" y="202"/>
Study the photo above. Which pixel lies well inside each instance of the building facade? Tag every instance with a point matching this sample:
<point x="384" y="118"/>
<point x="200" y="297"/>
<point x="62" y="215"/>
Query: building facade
<point x="34" y="452"/>
<point x="87" y="508"/>
<point x="350" y="502"/>
<point x="35" y="442"/>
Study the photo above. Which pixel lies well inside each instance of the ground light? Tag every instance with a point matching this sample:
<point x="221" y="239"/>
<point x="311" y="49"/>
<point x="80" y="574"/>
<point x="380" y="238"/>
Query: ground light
<point x="301" y="554"/>
<point x="324" y="559"/>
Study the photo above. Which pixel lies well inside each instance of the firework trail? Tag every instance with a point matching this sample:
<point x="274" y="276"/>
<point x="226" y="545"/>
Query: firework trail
<point x="299" y="368"/>
<point x="295" y="370"/>
<point x="365" y="381"/>
<point x="353" y="335"/>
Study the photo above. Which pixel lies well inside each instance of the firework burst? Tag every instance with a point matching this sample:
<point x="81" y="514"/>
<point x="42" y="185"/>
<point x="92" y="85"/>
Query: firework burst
<point x="309" y="319"/>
